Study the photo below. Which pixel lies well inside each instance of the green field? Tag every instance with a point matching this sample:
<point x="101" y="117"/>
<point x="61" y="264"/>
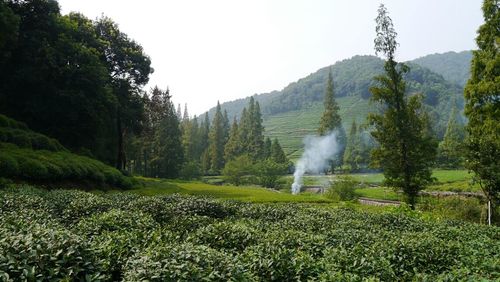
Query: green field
<point x="382" y="193"/>
<point x="253" y="194"/>
<point x="442" y="177"/>
<point x="291" y="127"/>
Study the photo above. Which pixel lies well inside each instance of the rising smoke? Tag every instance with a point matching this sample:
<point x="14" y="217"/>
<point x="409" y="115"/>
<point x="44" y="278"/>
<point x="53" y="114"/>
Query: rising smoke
<point x="318" y="151"/>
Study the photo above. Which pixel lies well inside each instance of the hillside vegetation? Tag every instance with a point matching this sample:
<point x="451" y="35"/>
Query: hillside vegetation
<point x="295" y="111"/>
<point x="33" y="157"/>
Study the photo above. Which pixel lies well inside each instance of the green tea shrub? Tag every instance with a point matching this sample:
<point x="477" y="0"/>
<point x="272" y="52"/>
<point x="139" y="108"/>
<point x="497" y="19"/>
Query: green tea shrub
<point x="421" y="253"/>
<point x="156" y="207"/>
<point x="271" y="261"/>
<point x="9" y="166"/>
<point x="358" y="261"/>
<point x="30" y="251"/>
<point x="184" y="225"/>
<point x="60" y="199"/>
<point x="184" y="262"/>
<point x="29" y="139"/>
<point x="226" y="235"/>
<point x="11" y="123"/>
<point x="82" y="207"/>
<point x="32" y="169"/>
<point x="121" y="200"/>
<point x="48" y="166"/>
<point x="202" y="206"/>
<point x="115" y="220"/>
<point x="12" y="202"/>
<point x="267" y="211"/>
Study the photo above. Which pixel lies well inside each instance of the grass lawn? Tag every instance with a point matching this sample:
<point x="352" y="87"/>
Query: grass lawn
<point x="446" y="176"/>
<point x="382" y="193"/>
<point x="241" y="193"/>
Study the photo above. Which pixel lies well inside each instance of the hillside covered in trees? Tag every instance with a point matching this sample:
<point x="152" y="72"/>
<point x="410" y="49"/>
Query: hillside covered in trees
<point x="353" y="77"/>
<point x="453" y="66"/>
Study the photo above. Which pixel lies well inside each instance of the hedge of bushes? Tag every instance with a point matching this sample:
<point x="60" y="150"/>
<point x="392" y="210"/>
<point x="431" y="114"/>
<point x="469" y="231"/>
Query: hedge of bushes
<point x="76" y="236"/>
<point x="49" y="166"/>
<point x="33" y="157"/>
<point x="17" y="133"/>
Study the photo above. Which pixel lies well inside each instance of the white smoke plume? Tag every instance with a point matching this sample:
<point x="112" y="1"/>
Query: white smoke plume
<point x="318" y="151"/>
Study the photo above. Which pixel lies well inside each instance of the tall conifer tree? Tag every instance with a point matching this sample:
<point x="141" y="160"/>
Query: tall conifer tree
<point x="406" y="151"/>
<point x="216" y="141"/>
<point x="331" y="121"/>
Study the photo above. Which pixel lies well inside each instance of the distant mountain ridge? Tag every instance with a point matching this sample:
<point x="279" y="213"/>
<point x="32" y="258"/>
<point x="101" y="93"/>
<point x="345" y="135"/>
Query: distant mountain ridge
<point x="354" y="76"/>
<point x="453" y="66"/>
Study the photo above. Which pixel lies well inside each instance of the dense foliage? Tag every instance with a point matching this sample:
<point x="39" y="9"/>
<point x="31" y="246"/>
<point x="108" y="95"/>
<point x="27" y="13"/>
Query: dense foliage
<point x="71" y="78"/>
<point x="71" y="235"/>
<point x="483" y="105"/>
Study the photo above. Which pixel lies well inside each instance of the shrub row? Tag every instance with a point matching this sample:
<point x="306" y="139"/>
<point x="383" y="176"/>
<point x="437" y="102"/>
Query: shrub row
<point x="74" y="235"/>
<point x="11" y="123"/>
<point x="49" y="166"/>
<point x="29" y="139"/>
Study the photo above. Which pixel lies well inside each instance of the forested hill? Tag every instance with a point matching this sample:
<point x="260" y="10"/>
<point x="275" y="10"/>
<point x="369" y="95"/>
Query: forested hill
<point x="353" y="78"/>
<point x="453" y="66"/>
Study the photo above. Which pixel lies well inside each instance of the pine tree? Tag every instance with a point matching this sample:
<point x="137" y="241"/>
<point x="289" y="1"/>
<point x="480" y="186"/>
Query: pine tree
<point x="203" y="134"/>
<point x="483" y="104"/>
<point x="266" y="151"/>
<point x="331" y="121"/>
<point x="169" y="155"/>
<point x="277" y="153"/>
<point x="406" y="151"/>
<point x="226" y="126"/>
<point x="352" y="154"/>
<point x="216" y="141"/>
<point x="244" y="128"/>
<point x="451" y="149"/>
<point x="179" y="112"/>
<point x="256" y="137"/>
<point x="185" y="116"/>
<point x="195" y="139"/>
<point x="233" y="145"/>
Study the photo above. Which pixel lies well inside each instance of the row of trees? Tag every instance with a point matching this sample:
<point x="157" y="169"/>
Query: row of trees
<point x="172" y="144"/>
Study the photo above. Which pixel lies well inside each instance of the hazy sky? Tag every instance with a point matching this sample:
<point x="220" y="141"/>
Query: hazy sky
<point x="206" y="51"/>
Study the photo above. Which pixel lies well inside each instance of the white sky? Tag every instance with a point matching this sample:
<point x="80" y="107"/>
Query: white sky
<point x="206" y="51"/>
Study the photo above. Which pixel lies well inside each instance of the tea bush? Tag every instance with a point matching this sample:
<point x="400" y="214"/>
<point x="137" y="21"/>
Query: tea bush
<point x="30" y="251"/>
<point x="185" y="262"/>
<point x="79" y="236"/>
